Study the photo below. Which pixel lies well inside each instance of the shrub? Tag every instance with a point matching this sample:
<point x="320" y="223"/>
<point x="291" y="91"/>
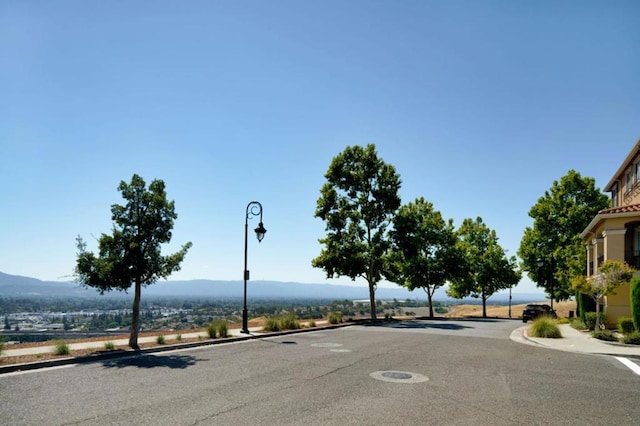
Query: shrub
<point x="160" y="340"/>
<point x="632" y="338"/>
<point x="179" y="337"/>
<point x="544" y="327"/>
<point x="222" y="327"/>
<point x="109" y="346"/>
<point x="61" y="348"/>
<point x="590" y="320"/>
<point x="271" y="324"/>
<point x="289" y="322"/>
<point x="212" y="330"/>
<point x="312" y="323"/>
<point x="606" y="335"/>
<point x="625" y="325"/>
<point x="335" y="317"/>
<point x="563" y="321"/>
<point x="635" y="302"/>
<point x="578" y="324"/>
<point x="1" y="345"/>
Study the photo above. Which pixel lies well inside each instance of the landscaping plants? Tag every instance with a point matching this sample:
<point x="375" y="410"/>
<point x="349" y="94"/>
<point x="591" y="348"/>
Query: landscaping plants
<point x="61" y="348"/>
<point x="335" y="317"/>
<point x="160" y="340"/>
<point x="110" y="346"/>
<point x="632" y="338"/>
<point x="544" y="327"/>
<point x="625" y="325"/>
<point x="606" y="335"/>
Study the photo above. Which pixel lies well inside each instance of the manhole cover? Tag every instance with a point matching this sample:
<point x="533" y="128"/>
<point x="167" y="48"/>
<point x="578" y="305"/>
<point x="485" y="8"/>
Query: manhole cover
<point x="399" y="377"/>
<point x="326" y="345"/>
<point x="396" y="375"/>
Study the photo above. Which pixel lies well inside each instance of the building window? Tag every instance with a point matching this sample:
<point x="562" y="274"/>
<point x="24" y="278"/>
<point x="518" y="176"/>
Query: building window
<point x="614" y="196"/>
<point x="628" y="182"/>
<point x="636" y="175"/>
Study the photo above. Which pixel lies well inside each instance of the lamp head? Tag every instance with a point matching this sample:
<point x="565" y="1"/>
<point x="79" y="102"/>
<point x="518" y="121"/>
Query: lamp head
<point x="260" y="231"/>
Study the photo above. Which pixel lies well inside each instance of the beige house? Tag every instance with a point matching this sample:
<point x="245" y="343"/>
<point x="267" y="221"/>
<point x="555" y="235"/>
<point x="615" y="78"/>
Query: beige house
<point x="614" y="234"/>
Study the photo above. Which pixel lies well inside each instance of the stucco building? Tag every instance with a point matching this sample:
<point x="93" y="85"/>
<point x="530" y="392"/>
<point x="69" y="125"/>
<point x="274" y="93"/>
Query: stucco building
<point x="614" y="234"/>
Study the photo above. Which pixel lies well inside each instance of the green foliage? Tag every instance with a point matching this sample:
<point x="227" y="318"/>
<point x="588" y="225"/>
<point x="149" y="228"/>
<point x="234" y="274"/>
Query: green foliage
<point x="488" y="269"/>
<point x="625" y="325"/>
<point x="179" y="337"/>
<point x="424" y="250"/>
<point x="312" y="323"/>
<point x="335" y="317"/>
<point x="357" y="204"/>
<point x="606" y="335"/>
<point x="110" y="346"/>
<point x="559" y="217"/>
<point x="212" y="330"/>
<point x="632" y="338"/>
<point x="579" y="324"/>
<point x="160" y="339"/>
<point x="61" y="348"/>
<point x="590" y="320"/>
<point x="222" y="328"/>
<point x="131" y="255"/>
<point x="271" y="324"/>
<point x="635" y="302"/>
<point x="544" y="327"/>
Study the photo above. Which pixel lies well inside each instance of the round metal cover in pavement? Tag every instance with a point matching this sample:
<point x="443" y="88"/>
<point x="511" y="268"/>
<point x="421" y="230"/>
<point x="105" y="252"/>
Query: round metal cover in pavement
<point x="399" y="376"/>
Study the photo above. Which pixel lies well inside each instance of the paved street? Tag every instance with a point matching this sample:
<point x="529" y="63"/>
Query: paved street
<point x="419" y="372"/>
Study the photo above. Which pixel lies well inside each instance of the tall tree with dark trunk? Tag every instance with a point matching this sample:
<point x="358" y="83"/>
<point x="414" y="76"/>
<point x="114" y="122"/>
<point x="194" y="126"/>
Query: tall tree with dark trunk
<point x="425" y="253"/>
<point x="357" y="204"/>
<point x="131" y="255"/>
<point x="488" y="268"/>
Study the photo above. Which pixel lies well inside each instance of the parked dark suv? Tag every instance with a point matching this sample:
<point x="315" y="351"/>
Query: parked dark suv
<point x="532" y="312"/>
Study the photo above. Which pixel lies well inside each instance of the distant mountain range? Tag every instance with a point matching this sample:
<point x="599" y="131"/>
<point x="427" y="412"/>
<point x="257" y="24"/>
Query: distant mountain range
<point x="18" y="286"/>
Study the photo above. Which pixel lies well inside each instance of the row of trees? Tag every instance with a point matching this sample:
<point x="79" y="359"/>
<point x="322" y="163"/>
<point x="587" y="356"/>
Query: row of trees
<point x="371" y="235"/>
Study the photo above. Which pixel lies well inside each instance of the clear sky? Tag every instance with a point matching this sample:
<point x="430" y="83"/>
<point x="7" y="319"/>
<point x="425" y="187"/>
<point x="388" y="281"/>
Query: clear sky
<point x="480" y="106"/>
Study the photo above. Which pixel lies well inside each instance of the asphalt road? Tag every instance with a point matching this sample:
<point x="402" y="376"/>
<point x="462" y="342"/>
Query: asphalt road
<point x="407" y="373"/>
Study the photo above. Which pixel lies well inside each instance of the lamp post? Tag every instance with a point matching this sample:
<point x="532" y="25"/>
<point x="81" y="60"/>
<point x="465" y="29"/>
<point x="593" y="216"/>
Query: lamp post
<point x="254" y="208"/>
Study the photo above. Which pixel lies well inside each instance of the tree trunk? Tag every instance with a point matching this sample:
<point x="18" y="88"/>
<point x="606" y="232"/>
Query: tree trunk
<point x="135" y="317"/>
<point x="429" y="297"/>
<point x="372" y="299"/>
<point x="597" y="314"/>
<point x="484" y="304"/>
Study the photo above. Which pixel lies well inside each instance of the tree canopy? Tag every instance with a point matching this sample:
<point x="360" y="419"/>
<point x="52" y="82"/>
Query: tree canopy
<point x="357" y="204"/>
<point x="131" y="255"/>
<point x="552" y="251"/>
<point x="488" y="268"/>
<point x="425" y="253"/>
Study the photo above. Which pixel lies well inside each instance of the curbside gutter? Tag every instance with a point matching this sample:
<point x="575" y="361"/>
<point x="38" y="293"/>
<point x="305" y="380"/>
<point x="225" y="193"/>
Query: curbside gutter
<point x="123" y="353"/>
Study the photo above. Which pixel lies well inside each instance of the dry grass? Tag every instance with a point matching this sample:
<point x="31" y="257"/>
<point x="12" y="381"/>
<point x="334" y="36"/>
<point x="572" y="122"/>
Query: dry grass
<point x="501" y="311"/>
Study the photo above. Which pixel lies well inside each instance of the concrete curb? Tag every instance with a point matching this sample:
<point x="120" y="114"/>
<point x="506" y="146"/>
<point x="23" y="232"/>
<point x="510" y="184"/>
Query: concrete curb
<point x="122" y="353"/>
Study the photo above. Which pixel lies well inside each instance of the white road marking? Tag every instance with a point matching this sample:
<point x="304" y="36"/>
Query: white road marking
<point x="629" y="364"/>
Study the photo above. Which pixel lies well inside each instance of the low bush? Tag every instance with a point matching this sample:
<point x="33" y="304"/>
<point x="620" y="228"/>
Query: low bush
<point x="625" y="325"/>
<point x="578" y="324"/>
<point x="271" y="324"/>
<point x="544" y="327"/>
<point x="211" y="330"/>
<point x="160" y="340"/>
<point x="289" y="322"/>
<point x="563" y="321"/>
<point x="179" y="337"/>
<point x="61" y="348"/>
<point x="335" y="317"/>
<point x="222" y="327"/>
<point x="632" y="338"/>
<point x="605" y="334"/>
<point x="110" y="346"/>
<point x="312" y="323"/>
<point x="590" y="320"/>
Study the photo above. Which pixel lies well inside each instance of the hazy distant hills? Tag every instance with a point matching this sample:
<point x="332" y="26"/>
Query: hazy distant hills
<point x="18" y="286"/>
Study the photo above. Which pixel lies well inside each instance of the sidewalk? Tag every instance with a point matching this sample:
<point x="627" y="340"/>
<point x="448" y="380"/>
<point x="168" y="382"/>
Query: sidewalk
<point x="577" y="341"/>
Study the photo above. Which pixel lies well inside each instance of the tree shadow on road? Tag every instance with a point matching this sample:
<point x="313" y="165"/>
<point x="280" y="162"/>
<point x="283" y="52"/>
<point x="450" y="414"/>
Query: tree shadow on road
<point x="153" y="361"/>
<point x="418" y="324"/>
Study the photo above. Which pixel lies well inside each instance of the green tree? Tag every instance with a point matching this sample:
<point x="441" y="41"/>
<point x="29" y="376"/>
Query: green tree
<point x="634" y="293"/>
<point x="425" y="253"/>
<point x="7" y="326"/>
<point x="132" y="254"/>
<point x="357" y="204"/>
<point x="488" y="268"/>
<point x="552" y="251"/>
<point x="611" y="275"/>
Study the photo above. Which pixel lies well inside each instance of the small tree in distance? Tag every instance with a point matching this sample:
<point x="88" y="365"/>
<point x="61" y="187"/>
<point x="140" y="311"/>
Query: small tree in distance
<point x="132" y="254"/>
<point x="611" y="275"/>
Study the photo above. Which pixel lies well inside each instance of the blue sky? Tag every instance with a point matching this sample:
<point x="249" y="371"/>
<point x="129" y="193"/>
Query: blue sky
<point x="480" y="106"/>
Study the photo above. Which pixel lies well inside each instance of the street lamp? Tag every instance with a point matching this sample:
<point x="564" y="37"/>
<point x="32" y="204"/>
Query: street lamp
<point x="254" y="208"/>
<point x="542" y="263"/>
